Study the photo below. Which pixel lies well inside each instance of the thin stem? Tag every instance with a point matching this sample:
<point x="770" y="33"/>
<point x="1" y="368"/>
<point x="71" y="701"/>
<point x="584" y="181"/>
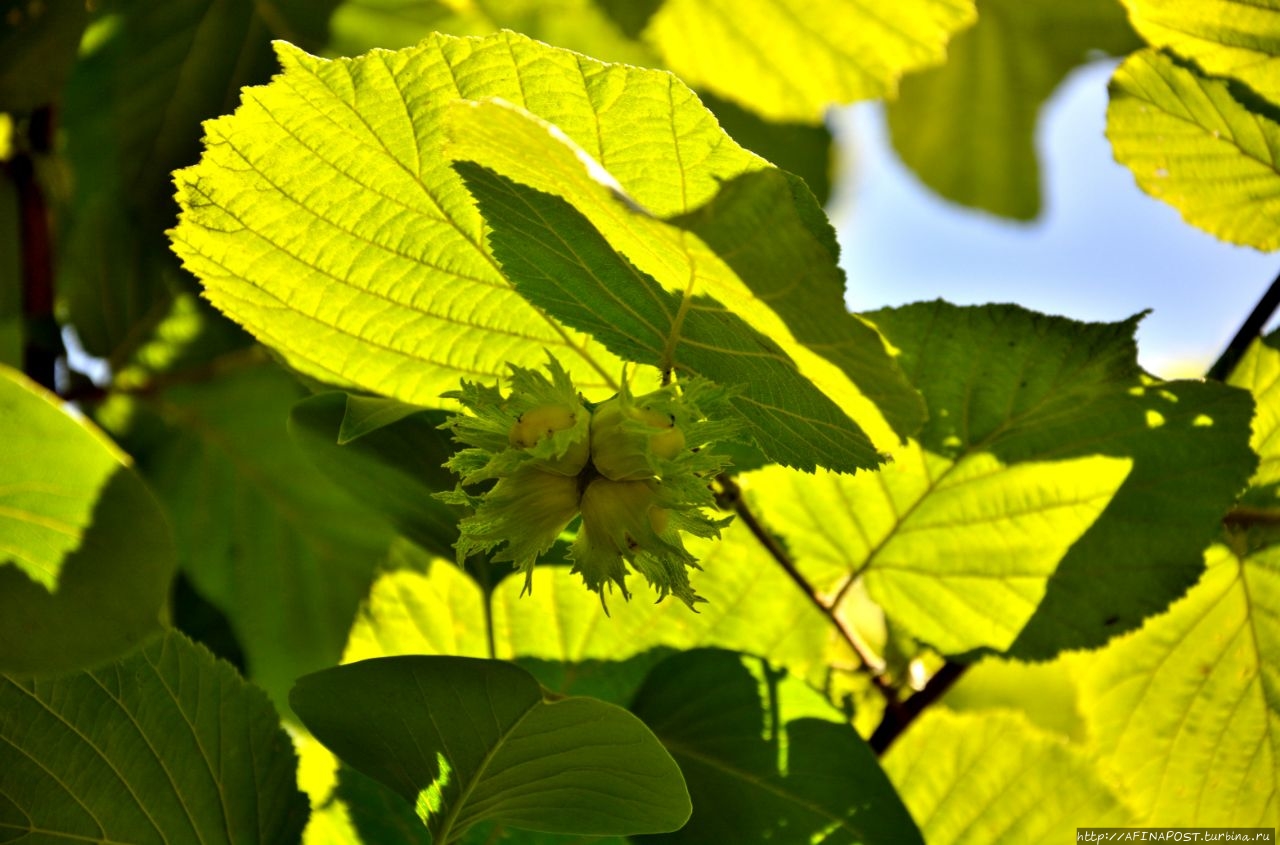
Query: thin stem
<point x="1243" y="516"/>
<point x="225" y="364"/>
<point x="480" y="569"/>
<point x="1250" y="329"/>
<point x="872" y="665"/>
<point x="896" y="719"/>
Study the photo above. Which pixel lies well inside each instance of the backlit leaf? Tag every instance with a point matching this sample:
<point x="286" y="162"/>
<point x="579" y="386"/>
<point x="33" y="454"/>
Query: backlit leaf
<point x="1239" y="38"/>
<point x="1024" y="519"/>
<point x="967" y="128"/>
<point x="1185" y="713"/>
<point x="323" y="218"/>
<point x="1259" y="373"/>
<point x="1201" y="144"/>
<point x="994" y="779"/>
<point x="559" y="632"/>
<point x="789" y="60"/>
<point x="85" y="554"/>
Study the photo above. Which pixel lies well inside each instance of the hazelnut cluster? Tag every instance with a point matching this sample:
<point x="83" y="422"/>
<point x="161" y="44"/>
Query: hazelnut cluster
<point x="634" y="468"/>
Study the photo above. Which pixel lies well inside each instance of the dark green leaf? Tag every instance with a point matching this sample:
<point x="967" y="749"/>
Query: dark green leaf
<point x="766" y="758"/>
<point x="1051" y="389"/>
<point x="37" y="48"/>
<point x="803" y="149"/>
<point x="167" y="745"/>
<point x="265" y="536"/>
<point x="468" y="740"/>
<point x="395" y="470"/>
<point x="147" y="75"/>
<point x="768" y="229"/>
<point x="1055" y="498"/>
<point x="560" y="263"/>
<point x="11" y="272"/>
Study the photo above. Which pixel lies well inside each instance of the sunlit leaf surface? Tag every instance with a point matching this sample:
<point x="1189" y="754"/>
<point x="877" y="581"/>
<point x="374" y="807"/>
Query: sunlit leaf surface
<point x="1200" y="143"/>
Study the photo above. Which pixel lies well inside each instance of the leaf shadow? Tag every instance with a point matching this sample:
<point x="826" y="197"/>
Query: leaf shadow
<point x="764" y="758"/>
<point x="110" y="592"/>
<point x="1120" y="571"/>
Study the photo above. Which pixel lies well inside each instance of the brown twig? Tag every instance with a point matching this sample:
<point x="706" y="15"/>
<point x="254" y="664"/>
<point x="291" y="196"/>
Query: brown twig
<point x="1242" y="516"/>
<point x="229" y="362"/>
<point x="897" y="719"/>
<point x="731" y="496"/>
<point x="898" y="713"/>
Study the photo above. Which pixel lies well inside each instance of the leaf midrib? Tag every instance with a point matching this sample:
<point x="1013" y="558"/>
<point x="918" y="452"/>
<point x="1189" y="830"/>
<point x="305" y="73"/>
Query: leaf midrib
<point x="473" y="782"/>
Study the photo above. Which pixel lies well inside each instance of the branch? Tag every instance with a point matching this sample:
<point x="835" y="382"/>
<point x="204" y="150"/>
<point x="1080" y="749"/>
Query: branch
<point x="1250" y="329"/>
<point x="1242" y="516"/>
<point x="896" y="719"/>
<point x="222" y="365"/>
<point x="731" y="496"/>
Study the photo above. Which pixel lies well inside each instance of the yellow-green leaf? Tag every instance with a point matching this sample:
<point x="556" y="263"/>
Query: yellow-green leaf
<point x="1185" y="714"/>
<point x="1201" y="144"/>
<point x="324" y="219"/>
<point x="1239" y="38"/>
<point x="558" y="630"/>
<point x="791" y="59"/>
<point x="85" y="553"/>
<point x="994" y="779"/>
<point x="967" y="128"/>
<point x="1259" y="373"/>
<point x="1024" y="518"/>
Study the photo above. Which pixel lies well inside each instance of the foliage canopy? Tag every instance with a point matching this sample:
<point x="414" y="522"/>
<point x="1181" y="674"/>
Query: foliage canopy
<point x="244" y="596"/>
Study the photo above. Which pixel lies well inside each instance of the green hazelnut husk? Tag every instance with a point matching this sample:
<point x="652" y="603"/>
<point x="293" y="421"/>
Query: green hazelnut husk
<point x="637" y="470"/>
<point x="633" y="523"/>
<point x="542" y="423"/>
<point x="523" y="513"/>
<point x="633" y="442"/>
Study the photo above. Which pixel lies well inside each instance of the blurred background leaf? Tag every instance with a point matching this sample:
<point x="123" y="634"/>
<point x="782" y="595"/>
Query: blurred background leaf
<point x="85" y="552"/>
<point x="967" y="128"/>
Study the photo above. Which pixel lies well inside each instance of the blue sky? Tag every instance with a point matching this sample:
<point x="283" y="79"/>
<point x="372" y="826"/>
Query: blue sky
<point x="1101" y="250"/>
